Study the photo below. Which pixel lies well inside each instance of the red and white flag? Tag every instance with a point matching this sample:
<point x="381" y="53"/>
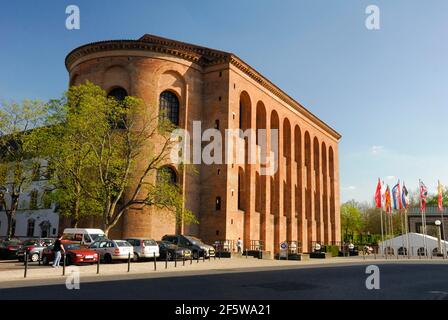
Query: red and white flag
<point x="378" y="195"/>
<point x="423" y="197"/>
<point x="440" y="197"/>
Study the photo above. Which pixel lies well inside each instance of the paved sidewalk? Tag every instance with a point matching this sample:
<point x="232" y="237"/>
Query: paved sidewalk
<point x="118" y="271"/>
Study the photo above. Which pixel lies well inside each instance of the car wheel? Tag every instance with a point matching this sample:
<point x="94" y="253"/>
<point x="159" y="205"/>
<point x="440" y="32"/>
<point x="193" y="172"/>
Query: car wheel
<point x="68" y="261"/>
<point x="45" y="260"/>
<point x="136" y="257"/>
<point x="34" y="257"/>
<point x="107" y="258"/>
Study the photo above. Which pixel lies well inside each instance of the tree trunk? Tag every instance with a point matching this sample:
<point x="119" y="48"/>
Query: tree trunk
<point x="10" y="224"/>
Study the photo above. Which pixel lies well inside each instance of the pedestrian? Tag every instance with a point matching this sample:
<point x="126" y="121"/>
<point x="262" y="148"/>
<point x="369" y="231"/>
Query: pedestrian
<point x="239" y="245"/>
<point x="58" y="248"/>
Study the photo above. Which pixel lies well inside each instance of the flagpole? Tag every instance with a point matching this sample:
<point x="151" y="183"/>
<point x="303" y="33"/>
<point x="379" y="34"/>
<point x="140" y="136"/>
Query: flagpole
<point x="406" y="221"/>
<point x="443" y="230"/>
<point x="402" y="229"/>
<point x="392" y="228"/>
<point x="382" y="231"/>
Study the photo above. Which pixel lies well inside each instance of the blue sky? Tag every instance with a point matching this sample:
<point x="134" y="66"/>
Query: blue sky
<point x="385" y="91"/>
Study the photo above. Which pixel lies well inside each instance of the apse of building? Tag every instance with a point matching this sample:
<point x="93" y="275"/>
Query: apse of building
<point x="300" y="202"/>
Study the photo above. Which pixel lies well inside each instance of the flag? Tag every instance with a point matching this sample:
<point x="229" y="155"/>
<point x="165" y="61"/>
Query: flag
<point x="396" y="196"/>
<point x="440" y="197"/>
<point x="423" y="196"/>
<point x="378" y="194"/>
<point x="387" y="201"/>
<point x="405" y="197"/>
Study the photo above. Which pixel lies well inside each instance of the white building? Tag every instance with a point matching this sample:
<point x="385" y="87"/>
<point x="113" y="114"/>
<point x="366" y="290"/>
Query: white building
<point x="415" y="242"/>
<point x="36" y="216"/>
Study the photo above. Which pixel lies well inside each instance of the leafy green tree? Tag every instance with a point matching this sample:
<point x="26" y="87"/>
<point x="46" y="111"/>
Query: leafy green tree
<point x="18" y="163"/>
<point x="351" y="219"/>
<point x="94" y="144"/>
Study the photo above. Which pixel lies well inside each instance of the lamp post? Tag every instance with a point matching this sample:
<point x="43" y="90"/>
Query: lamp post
<point x="438" y="223"/>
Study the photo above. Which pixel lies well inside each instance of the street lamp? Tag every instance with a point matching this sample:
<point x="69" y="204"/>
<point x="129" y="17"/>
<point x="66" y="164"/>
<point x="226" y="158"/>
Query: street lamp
<point x="438" y="223"/>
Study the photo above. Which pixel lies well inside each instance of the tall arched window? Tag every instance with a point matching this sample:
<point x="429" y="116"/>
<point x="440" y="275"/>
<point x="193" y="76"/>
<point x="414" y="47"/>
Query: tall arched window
<point x="118" y="93"/>
<point x="169" y="107"/>
<point x="30" y="228"/>
<point x="167" y="174"/>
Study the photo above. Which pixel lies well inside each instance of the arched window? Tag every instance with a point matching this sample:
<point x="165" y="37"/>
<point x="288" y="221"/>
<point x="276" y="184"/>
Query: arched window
<point x="118" y="93"/>
<point x="30" y="228"/>
<point x="167" y="174"/>
<point x="33" y="199"/>
<point x="169" y="107"/>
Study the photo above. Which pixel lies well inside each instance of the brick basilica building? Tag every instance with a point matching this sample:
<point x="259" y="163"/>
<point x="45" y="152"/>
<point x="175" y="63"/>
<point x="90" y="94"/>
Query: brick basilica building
<point x="300" y="202"/>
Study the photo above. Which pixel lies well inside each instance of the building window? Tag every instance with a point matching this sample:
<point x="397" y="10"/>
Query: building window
<point x="218" y="203"/>
<point x="167" y="174"/>
<point x="33" y="199"/>
<point x="119" y="94"/>
<point x="36" y="172"/>
<point x="30" y="228"/>
<point x="46" y="200"/>
<point x="169" y="107"/>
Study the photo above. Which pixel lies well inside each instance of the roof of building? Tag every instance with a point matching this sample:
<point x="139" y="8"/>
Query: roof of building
<point x="202" y="56"/>
<point x="430" y="211"/>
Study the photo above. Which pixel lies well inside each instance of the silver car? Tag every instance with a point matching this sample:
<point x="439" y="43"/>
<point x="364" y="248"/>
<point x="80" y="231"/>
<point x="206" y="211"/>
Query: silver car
<point x="110" y="250"/>
<point x="144" y="248"/>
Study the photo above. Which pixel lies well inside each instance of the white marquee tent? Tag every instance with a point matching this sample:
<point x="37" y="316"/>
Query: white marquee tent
<point x="416" y="244"/>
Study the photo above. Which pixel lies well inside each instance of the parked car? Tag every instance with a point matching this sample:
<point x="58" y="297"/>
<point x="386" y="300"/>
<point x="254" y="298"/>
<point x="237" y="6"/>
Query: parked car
<point x="170" y="251"/>
<point x="75" y="254"/>
<point x="144" y="248"/>
<point x="8" y="248"/>
<point x="34" y="249"/>
<point x="83" y="236"/>
<point x="196" y="246"/>
<point x="112" y="249"/>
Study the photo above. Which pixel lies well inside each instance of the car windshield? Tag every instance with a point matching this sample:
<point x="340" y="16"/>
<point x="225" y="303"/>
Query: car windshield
<point x="150" y="243"/>
<point x="123" y="244"/>
<point x="96" y="237"/>
<point x="31" y="243"/>
<point x="71" y="246"/>
<point x="194" y="240"/>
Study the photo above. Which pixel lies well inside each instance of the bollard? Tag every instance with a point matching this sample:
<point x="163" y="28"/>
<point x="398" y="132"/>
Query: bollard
<point x="198" y="257"/>
<point x="219" y="255"/>
<point x="364" y="255"/>
<point x="129" y="261"/>
<point x="26" y="264"/>
<point x="374" y="254"/>
<point x="191" y="260"/>
<point x="98" y="265"/>
<point x="203" y="257"/>
<point x="155" y="264"/>
<point x="40" y="258"/>
<point x="246" y="253"/>
<point x="183" y="260"/>
<point x="175" y="259"/>
<point x="63" y="264"/>
<point x="166" y="260"/>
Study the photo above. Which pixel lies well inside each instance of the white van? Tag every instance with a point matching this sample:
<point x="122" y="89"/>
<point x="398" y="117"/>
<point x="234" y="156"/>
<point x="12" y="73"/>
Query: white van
<point x="83" y="236"/>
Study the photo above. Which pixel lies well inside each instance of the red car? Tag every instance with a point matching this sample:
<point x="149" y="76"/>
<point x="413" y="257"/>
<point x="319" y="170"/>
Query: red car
<point x="75" y="254"/>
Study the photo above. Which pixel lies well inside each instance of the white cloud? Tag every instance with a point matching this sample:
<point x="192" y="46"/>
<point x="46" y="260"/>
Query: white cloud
<point x="350" y="188"/>
<point x="376" y="149"/>
<point x="390" y="178"/>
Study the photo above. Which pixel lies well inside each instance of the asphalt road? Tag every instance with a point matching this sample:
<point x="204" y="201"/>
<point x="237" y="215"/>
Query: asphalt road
<point x="397" y="281"/>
